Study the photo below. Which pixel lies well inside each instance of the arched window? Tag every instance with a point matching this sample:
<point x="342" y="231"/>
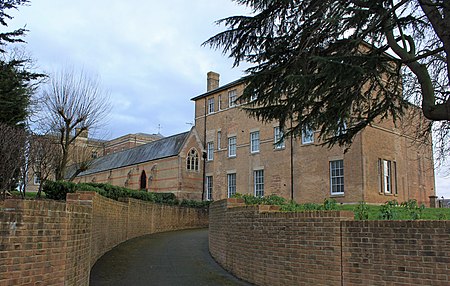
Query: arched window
<point x="192" y="160"/>
<point x="143" y="181"/>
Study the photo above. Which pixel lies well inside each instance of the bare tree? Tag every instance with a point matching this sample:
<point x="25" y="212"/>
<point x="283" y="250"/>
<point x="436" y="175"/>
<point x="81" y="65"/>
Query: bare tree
<point x="12" y="145"/>
<point x="44" y="158"/>
<point x="73" y="103"/>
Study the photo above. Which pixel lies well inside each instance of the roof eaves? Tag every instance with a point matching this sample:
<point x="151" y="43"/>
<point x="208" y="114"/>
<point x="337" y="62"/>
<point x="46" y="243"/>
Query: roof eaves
<point x="219" y="89"/>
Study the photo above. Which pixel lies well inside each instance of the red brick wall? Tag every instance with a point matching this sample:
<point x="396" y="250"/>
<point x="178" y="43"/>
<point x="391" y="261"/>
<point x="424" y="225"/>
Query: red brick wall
<point x="54" y="243"/>
<point x="267" y="247"/>
<point x="396" y="252"/>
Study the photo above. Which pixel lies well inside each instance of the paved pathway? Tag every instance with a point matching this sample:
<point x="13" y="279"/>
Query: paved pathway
<point x="171" y="258"/>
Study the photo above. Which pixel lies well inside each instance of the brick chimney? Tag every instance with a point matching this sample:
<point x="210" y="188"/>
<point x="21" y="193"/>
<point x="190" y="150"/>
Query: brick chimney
<point x="212" y="81"/>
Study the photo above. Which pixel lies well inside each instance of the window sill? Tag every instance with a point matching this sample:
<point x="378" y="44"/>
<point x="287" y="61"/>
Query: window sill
<point x="279" y="149"/>
<point x="231" y="157"/>
<point x="337" y="195"/>
<point x="254" y="153"/>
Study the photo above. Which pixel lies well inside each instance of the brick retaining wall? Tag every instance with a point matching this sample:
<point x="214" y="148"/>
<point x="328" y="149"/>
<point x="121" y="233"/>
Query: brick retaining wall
<point x="56" y="243"/>
<point x="267" y="247"/>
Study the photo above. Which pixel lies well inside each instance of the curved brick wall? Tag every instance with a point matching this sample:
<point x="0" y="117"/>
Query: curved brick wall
<point x="267" y="247"/>
<point x="54" y="243"/>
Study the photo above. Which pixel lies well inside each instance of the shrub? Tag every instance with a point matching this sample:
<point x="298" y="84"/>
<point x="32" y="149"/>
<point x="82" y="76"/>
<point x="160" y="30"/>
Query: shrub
<point x="58" y="190"/>
<point x="195" y="204"/>
<point x="361" y="211"/>
<point x="388" y="210"/>
<point x="329" y="204"/>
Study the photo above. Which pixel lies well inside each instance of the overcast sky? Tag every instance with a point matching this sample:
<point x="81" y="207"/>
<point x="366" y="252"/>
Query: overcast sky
<point x="147" y="53"/>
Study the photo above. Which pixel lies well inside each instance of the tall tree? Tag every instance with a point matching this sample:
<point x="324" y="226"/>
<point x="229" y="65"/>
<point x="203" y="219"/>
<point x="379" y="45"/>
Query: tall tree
<point x="333" y="63"/>
<point x="73" y="104"/>
<point x="17" y="81"/>
<point x="13" y="36"/>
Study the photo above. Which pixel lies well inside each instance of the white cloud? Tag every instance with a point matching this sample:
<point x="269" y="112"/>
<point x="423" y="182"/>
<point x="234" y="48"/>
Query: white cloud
<point x="148" y="53"/>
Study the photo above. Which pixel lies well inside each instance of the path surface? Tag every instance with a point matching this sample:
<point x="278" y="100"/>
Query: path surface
<point x="171" y="258"/>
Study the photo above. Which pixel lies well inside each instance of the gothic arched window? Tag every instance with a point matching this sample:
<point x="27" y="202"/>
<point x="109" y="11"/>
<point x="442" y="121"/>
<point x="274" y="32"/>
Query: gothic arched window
<point x="192" y="160"/>
<point x="143" y="181"/>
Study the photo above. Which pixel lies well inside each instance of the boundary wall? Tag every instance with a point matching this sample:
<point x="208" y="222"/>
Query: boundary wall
<point x="267" y="247"/>
<point x="57" y="243"/>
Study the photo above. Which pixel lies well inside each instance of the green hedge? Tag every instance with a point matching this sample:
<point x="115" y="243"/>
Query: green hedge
<point x="58" y="191"/>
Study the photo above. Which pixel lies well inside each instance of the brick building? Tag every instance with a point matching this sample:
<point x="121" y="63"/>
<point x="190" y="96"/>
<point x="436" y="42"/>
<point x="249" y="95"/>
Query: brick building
<point x="129" y="141"/>
<point x="245" y="156"/>
<point x="171" y="164"/>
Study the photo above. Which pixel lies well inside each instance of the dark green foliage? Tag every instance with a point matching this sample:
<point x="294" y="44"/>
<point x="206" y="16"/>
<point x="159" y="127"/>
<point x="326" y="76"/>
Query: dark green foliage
<point x="323" y="64"/>
<point x="14" y="36"/>
<point x="59" y="189"/>
<point x="14" y="96"/>
<point x="195" y="204"/>
<point x="17" y="83"/>
<point x="115" y="192"/>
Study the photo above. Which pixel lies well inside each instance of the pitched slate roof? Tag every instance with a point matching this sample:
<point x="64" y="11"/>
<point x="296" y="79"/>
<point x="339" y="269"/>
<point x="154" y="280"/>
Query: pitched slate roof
<point x="166" y="147"/>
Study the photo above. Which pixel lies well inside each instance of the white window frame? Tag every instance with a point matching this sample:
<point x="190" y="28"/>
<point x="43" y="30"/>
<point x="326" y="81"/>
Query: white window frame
<point x="342" y="128"/>
<point x="232" y="96"/>
<point x="277" y="136"/>
<point x="387" y="176"/>
<point x="337" y="183"/>
<point x="219" y="139"/>
<point x="387" y="179"/>
<point x="254" y="142"/>
<point x="211" y="105"/>
<point x="258" y="183"/>
<point x="209" y="187"/>
<point x="219" y="102"/>
<point x="210" y="151"/>
<point x="231" y="184"/>
<point x="37" y="178"/>
<point x="307" y="135"/>
<point x="232" y="146"/>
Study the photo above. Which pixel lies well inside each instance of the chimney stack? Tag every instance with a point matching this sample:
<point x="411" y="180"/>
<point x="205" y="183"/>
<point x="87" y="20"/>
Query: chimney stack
<point x="212" y="81"/>
<point x="83" y="134"/>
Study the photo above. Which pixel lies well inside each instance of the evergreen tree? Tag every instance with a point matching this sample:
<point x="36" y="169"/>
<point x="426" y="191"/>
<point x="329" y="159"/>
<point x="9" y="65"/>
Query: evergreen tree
<point x="17" y="83"/>
<point x="337" y="64"/>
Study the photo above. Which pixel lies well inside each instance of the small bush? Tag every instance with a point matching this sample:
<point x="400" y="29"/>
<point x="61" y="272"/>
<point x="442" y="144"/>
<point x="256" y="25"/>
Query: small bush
<point x="329" y="204"/>
<point x="58" y="190"/>
<point x="388" y="210"/>
<point x="362" y="211"/>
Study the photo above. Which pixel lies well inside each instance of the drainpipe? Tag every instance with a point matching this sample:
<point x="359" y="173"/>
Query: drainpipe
<point x="292" y="164"/>
<point x="204" y="154"/>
